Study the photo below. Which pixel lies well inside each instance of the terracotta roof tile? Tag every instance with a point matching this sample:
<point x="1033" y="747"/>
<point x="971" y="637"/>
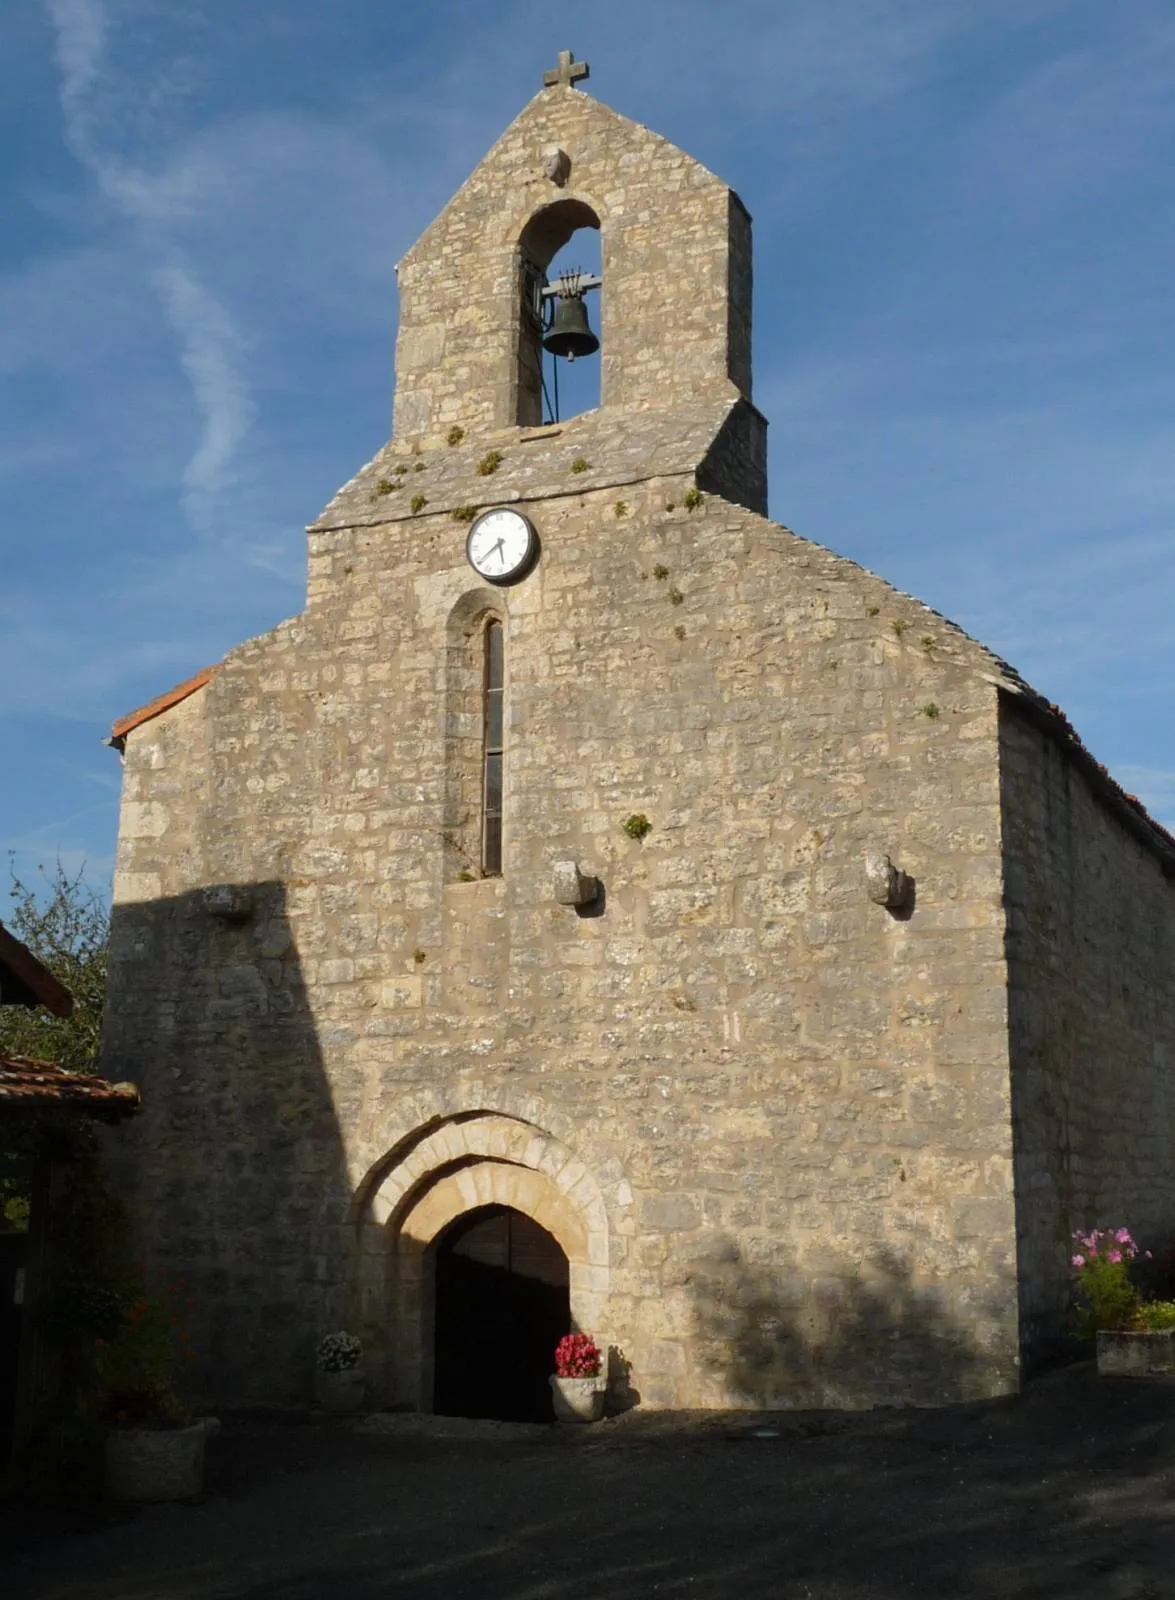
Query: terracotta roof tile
<point x="161" y="703"/>
<point x="26" y="1084"/>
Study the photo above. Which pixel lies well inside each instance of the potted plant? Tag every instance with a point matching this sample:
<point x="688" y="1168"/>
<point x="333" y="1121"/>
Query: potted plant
<point x="153" y="1449"/>
<point x="1135" y="1336"/>
<point x="577" y="1388"/>
<point x="339" y="1382"/>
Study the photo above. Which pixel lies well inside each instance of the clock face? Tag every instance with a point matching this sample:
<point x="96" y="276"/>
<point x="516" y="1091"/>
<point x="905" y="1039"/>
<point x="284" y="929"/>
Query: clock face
<point x="501" y="545"/>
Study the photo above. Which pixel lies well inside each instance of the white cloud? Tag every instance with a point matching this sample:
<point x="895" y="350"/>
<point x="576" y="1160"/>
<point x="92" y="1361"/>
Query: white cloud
<point x="211" y="348"/>
<point x="211" y="356"/>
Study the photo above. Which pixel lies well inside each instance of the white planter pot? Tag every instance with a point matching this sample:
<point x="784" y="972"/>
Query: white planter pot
<point x="147" y="1464"/>
<point x="341" y="1391"/>
<point x="1135" y="1355"/>
<point x="578" y="1399"/>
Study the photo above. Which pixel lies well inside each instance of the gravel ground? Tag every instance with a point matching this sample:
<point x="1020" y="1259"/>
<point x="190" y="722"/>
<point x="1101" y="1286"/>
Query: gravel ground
<point x="1066" y="1493"/>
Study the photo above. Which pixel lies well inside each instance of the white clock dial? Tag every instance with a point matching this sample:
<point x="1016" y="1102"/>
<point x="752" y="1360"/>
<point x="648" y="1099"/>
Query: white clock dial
<point x="501" y="545"/>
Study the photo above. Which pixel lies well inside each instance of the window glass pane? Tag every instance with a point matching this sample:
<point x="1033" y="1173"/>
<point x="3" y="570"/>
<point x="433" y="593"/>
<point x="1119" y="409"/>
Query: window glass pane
<point x="491" y="832"/>
<point x="494" y="656"/>
<point x="494" y="720"/>
<point x="493" y="792"/>
<point x="492" y="865"/>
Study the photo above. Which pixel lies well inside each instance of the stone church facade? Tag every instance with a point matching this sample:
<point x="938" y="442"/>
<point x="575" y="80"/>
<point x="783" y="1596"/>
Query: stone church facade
<point x="808" y="1082"/>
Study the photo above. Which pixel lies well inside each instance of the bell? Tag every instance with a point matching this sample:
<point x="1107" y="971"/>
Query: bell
<point x="570" y="334"/>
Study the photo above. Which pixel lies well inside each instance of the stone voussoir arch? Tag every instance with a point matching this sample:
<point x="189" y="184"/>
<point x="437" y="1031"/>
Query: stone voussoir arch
<point x="444" y="1158"/>
<point x="416" y="1116"/>
<point x="489" y="1148"/>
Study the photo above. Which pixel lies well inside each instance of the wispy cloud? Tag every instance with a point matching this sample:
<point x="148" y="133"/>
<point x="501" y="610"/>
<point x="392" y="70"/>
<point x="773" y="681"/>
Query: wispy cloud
<point x="211" y="348"/>
<point x="211" y="356"/>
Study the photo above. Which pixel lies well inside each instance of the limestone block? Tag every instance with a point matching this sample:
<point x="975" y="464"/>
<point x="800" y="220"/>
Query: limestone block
<point x="666" y="1213"/>
<point x="143" y="819"/>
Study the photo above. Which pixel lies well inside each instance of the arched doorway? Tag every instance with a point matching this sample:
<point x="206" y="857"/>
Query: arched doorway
<point x="502" y="1305"/>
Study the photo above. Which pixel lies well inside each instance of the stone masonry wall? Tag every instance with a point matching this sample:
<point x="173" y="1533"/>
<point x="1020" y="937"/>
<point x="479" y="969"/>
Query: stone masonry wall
<point x="1091" y="972"/>
<point x="794" y="1104"/>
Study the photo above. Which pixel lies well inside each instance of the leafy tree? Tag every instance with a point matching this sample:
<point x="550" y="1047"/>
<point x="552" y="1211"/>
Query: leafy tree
<point x="66" y="925"/>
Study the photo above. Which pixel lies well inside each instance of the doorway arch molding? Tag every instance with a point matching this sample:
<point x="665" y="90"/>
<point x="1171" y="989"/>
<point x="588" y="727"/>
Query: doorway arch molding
<point x="500" y="1150"/>
<point x="448" y="1164"/>
<point x="391" y="1135"/>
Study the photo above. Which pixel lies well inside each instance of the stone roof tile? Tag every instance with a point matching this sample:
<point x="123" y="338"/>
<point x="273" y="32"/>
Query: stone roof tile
<point x="536" y="463"/>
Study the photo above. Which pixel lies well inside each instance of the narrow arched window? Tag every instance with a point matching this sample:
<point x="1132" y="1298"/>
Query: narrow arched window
<point x="491" y="789"/>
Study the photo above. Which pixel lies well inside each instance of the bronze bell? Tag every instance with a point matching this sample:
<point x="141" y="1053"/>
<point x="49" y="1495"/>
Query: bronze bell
<point x="570" y="334"/>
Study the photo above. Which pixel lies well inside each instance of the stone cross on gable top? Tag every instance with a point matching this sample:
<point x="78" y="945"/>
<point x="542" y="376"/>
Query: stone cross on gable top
<point x="567" y="73"/>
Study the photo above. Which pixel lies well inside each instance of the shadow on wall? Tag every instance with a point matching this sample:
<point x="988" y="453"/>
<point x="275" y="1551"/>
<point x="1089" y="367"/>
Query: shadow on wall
<point x="234" y="1171"/>
<point x="840" y="1339"/>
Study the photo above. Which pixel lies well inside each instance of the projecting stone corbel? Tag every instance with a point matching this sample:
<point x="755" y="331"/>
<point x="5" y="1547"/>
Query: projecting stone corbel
<point x="573" y="887"/>
<point x="888" y="885"/>
<point x="229" y="903"/>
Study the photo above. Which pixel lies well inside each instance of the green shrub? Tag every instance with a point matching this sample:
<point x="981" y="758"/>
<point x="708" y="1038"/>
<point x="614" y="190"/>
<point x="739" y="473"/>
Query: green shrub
<point x="1155" y="1316"/>
<point x="1104" y="1296"/>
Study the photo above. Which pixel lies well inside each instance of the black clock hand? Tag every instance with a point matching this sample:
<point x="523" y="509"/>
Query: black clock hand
<point x="499" y="546"/>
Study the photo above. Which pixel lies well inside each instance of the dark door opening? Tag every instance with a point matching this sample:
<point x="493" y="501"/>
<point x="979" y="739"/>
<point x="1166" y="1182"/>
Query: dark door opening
<point x="13" y="1265"/>
<point x="502" y="1305"/>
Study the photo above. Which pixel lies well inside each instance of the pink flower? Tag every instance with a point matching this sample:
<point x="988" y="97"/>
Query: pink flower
<point x="1115" y="1256"/>
<point x="1078" y="1261"/>
<point x="1123" y="1236"/>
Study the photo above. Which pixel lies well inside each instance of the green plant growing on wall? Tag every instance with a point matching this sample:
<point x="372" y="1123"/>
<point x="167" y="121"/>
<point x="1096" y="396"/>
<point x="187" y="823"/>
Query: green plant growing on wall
<point x="872" y="610"/>
<point x="637" y="825"/>
<point x="455" y="434"/>
<point x="692" y="499"/>
<point x="931" y="710"/>
<point x="490" y="463"/>
<point x="580" y="464"/>
<point x="418" y="503"/>
<point x="899" y="627"/>
<point x="660" y="571"/>
<point x="620" y="509"/>
<point x="419" y="956"/>
<point x="464" y="513"/>
<point x="927" y="643"/>
<point x="671" y="505"/>
<point x="419" y="467"/>
<point x="679" y="632"/>
<point x="386" y="486"/>
<point x="675" y="597"/>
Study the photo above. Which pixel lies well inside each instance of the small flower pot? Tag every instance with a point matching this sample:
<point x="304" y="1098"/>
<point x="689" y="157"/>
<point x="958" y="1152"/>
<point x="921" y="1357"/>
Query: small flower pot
<point x="1135" y="1355"/>
<point x="577" y="1399"/>
<point x="151" y="1464"/>
<point x="341" y="1391"/>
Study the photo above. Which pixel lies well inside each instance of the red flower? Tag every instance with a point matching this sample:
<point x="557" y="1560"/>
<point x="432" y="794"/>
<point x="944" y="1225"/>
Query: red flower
<point x="577" y="1356"/>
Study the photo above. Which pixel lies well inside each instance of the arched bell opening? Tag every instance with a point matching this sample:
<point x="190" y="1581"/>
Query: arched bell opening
<point x="501" y="1303"/>
<point x="559" y="239"/>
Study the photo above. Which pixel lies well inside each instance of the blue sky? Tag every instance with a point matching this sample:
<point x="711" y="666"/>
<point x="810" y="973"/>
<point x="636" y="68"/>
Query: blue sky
<point x="965" y="328"/>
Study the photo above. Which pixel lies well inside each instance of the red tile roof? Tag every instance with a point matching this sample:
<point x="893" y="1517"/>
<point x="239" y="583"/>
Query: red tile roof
<point x="26" y="1084"/>
<point x="24" y="981"/>
<point x="161" y="703"/>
